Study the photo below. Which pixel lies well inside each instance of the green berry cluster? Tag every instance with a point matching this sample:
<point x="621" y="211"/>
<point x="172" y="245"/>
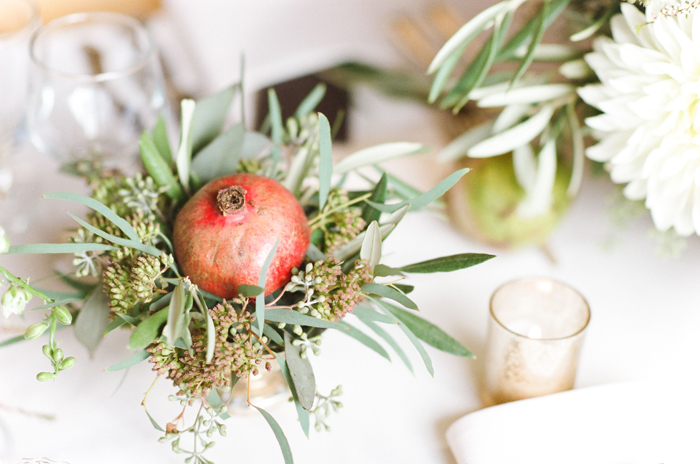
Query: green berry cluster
<point x="133" y="279"/>
<point x="340" y="223"/>
<point x="236" y="352"/>
<point x="329" y="293"/>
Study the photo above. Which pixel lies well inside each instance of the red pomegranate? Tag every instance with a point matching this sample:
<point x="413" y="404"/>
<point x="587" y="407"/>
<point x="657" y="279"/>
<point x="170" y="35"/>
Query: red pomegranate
<point x="226" y="230"/>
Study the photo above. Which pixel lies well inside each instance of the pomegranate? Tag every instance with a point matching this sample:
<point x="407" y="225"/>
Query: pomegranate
<point x="227" y="229"/>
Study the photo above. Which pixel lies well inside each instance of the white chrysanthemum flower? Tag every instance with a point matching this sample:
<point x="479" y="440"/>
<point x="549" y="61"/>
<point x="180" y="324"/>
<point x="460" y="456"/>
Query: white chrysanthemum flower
<point x="649" y="94"/>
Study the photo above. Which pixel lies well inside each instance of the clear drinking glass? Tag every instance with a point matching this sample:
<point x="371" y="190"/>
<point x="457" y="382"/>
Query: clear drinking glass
<point x="534" y="339"/>
<point x="96" y="85"/>
<point x="18" y="19"/>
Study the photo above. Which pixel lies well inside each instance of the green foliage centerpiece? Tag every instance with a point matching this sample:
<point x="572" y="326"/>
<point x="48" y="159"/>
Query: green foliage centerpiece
<point x="256" y="300"/>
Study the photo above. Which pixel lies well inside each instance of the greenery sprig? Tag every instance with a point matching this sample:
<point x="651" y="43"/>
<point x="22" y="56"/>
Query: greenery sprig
<point x="203" y="343"/>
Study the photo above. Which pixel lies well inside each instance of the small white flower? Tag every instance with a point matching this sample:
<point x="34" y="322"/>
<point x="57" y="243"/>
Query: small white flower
<point x="649" y="94"/>
<point x="4" y="242"/>
<point x="14" y="301"/>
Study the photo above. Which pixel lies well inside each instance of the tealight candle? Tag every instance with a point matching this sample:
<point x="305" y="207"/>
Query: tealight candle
<point x="534" y="338"/>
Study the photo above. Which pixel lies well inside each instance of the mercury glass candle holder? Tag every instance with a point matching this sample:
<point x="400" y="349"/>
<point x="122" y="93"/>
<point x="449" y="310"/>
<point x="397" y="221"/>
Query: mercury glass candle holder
<point x="536" y="328"/>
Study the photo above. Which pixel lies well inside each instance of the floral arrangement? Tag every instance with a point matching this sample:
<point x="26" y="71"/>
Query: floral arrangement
<point x="626" y="75"/>
<point x="234" y="252"/>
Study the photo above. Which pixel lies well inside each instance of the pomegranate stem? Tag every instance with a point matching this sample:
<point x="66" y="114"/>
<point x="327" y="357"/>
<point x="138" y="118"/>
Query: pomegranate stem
<point x="231" y="199"/>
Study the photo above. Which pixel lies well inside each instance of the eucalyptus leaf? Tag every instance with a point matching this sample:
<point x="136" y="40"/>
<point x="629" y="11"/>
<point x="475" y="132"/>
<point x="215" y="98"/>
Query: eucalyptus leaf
<point x="57" y="248"/>
<point x="158" y="168"/>
<point x="377" y="154"/>
<point x="406" y="289"/>
<point x="429" y="332"/>
<point x="162" y="142"/>
<point x="365" y="339"/>
<point x="147" y="331"/>
<point x="301" y="412"/>
<point x="56" y="303"/>
<point x="301" y="372"/>
<point x="115" y="324"/>
<point x="133" y="360"/>
<point x="161" y="303"/>
<point x="288" y="316"/>
<point x="325" y="169"/>
<point x="526" y="33"/>
<point x="92" y="320"/>
<point x="389" y="292"/>
<point x="446" y="263"/>
<point x="311" y="101"/>
<point x="222" y="156"/>
<point x="460" y="146"/>
<point x="153" y="421"/>
<point x="260" y="300"/>
<point x="95" y="205"/>
<point x="209" y="116"/>
<point x="539" y="199"/>
<point x="12" y="341"/>
<point x="272" y="334"/>
<point x="444" y="73"/>
<point x="279" y="434"/>
<point x="578" y="151"/>
<point x="371" y="250"/>
<point x="250" y="291"/>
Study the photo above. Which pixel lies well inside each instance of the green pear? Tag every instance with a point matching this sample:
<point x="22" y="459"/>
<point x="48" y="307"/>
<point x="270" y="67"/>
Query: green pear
<point x="484" y="204"/>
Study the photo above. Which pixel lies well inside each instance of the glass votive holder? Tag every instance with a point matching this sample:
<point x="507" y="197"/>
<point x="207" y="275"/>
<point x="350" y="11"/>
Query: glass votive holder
<point x="535" y="331"/>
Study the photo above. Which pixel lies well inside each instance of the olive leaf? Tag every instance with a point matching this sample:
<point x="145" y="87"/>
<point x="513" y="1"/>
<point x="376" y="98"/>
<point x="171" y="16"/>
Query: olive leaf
<point x="389" y="292"/>
<point x="183" y="159"/>
<point x="151" y="250"/>
<point x="311" y="101"/>
<point x="175" y="323"/>
<point x="371" y="250"/>
<point x="276" y="121"/>
<point x="388" y="339"/>
<point x="95" y="205"/>
<point x="260" y="299"/>
<point x="411" y="337"/>
<point x="287" y="316"/>
<point x="325" y="169"/>
<point x="57" y="248"/>
<point x="301" y="372"/>
<point x="92" y="320"/>
<point x="370" y="213"/>
<point x="365" y="339"/>
<point x="367" y="314"/>
<point x="429" y="332"/>
<point x="446" y="263"/>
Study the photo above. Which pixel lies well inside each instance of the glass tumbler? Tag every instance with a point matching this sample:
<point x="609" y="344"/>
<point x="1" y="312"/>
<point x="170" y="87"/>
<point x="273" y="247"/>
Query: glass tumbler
<point x="96" y="85"/>
<point x="18" y="19"/>
<point x="536" y="328"/>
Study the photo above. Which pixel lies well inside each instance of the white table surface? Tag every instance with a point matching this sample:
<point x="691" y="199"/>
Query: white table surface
<point x="644" y="327"/>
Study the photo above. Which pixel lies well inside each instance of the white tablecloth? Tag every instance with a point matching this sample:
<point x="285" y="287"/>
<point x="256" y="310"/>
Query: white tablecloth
<point x="644" y="327"/>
